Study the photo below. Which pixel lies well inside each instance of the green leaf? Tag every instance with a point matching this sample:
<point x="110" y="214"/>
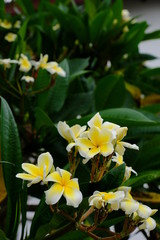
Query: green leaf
<point x="143" y="177"/>
<point x="3" y="236"/>
<point x="42" y="119"/>
<point x="117" y="9"/>
<point x="153" y="35"/>
<point x="91" y="8"/>
<point x="112" y="179"/>
<point x="26" y="6"/>
<point x="57" y="222"/>
<point x="77" y="66"/>
<point x="78" y="27"/>
<point x="2" y="8"/>
<point x="148" y="157"/>
<point x="42" y="216"/>
<point x="11" y="154"/>
<point x="110" y="92"/>
<point x="122" y="116"/>
<point x="41" y="88"/>
<point x="76" y="104"/>
<point x="100" y="23"/>
<point x="58" y="93"/>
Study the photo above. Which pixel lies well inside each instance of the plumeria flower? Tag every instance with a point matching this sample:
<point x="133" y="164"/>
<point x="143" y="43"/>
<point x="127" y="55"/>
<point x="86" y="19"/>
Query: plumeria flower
<point x="10" y="37"/>
<point x="7" y="62"/>
<point x="99" y="142"/>
<point x="24" y="63"/>
<point x="63" y="185"/>
<point x="6" y="24"/>
<point x="128" y="204"/>
<point x="38" y="173"/>
<point x="148" y="224"/>
<point x="17" y="24"/>
<point x="128" y="171"/>
<point x="97" y="121"/>
<point x="126" y="16"/>
<point x="70" y="133"/>
<point x="144" y="211"/>
<point x="118" y="159"/>
<point x="56" y="27"/>
<point x="101" y="199"/>
<point x="42" y="63"/>
<point x="120" y="145"/>
<point x="53" y="67"/>
<point x="27" y="79"/>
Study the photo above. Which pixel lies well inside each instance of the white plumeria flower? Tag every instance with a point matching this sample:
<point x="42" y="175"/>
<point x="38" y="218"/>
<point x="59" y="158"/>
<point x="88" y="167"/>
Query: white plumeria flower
<point x="144" y="211"/>
<point x="99" y="142"/>
<point x="7" y="62"/>
<point x="27" y="79"/>
<point x="120" y="145"/>
<point x="70" y="133"/>
<point x="6" y="24"/>
<point x="56" y="27"/>
<point x="126" y="16"/>
<point x="24" y="63"/>
<point x="128" y="170"/>
<point x="148" y="224"/>
<point x="42" y="63"/>
<point x="37" y="173"/>
<point x="97" y="121"/>
<point x="128" y="204"/>
<point x="17" y="24"/>
<point x="63" y="185"/>
<point x="118" y="159"/>
<point x="53" y="67"/>
<point x="10" y="37"/>
<point x="101" y="199"/>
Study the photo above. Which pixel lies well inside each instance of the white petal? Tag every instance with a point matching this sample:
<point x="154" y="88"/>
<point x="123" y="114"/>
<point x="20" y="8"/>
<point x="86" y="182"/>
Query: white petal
<point x="73" y="196"/>
<point x="54" y="193"/>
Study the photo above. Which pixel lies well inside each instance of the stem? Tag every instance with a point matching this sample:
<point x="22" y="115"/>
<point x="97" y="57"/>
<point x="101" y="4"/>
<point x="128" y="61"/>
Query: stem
<point x="86" y="214"/>
<point x="60" y="231"/>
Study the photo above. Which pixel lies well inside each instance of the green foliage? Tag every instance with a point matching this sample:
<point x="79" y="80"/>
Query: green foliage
<point x="12" y="159"/>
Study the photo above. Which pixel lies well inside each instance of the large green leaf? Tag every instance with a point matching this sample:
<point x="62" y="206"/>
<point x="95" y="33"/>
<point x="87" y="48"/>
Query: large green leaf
<point x="42" y="216"/>
<point x="76" y="104"/>
<point x="143" y="177"/>
<point x="100" y="23"/>
<point x="122" y="116"/>
<point x="112" y="179"/>
<point x="117" y="9"/>
<point x="78" y="27"/>
<point x="58" y="93"/>
<point x="148" y="157"/>
<point x="41" y="88"/>
<point x="12" y="156"/>
<point x="110" y="92"/>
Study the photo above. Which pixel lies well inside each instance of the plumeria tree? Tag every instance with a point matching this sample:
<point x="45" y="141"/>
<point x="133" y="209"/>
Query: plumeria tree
<point x="79" y="120"/>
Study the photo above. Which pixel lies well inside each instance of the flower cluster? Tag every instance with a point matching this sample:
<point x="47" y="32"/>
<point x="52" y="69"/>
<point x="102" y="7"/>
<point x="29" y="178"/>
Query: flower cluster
<point x="102" y="143"/>
<point x="98" y="140"/>
<point x="25" y="65"/>
<point x="10" y="36"/>
<point x="138" y="213"/>
<point x="45" y="172"/>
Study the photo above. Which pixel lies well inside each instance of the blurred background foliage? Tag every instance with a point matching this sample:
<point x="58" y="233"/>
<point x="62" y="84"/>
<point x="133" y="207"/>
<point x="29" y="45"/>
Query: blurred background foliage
<point x="97" y="46"/>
